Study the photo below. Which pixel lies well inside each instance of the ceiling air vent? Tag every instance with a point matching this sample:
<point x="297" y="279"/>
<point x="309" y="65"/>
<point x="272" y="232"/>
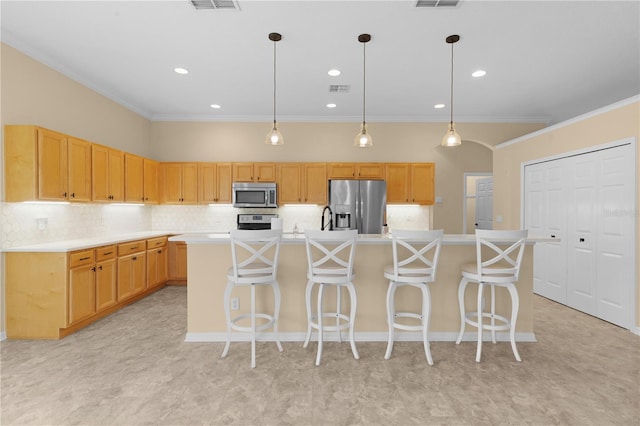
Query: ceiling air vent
<point x="438" y="3"/>
<point x="216" y="4"/>
<point x="339" y="88"/>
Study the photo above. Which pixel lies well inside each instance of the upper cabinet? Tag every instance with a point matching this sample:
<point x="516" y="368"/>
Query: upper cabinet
<point x="107" y="166"/>
<point x="150" y="181"/>
<point x="410" y="183"/>
<point x="315" y="183"/>
<point x="133" y="178"/>
<point x="179" y="183"/>
<point x="214" y="183"/>
<point x="356" y="171"/>
<point x="41" y="164"/>
<point x="302" y="183"/>
<point x="254" y="172"/>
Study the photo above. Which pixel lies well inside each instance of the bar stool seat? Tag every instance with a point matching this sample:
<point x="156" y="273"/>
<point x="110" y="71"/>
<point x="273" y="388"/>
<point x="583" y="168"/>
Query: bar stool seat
<point x="254" y="257"/>
<point x="415" y="262"/>
<point x="330" y="257"/>
<point x="498" y="259"/>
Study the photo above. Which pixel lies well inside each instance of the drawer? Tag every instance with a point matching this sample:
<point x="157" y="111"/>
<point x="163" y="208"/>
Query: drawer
<point x="105" y="253"/>
<point x="80" y="258"/>
<point x="156" y="242"/>
<point x="132" y="247"/>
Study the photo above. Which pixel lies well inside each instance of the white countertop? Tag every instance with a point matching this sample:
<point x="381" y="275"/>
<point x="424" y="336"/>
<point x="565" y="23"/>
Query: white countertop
<point x="85" y="243"/>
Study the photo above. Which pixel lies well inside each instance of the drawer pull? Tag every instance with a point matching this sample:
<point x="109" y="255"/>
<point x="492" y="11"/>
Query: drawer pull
<point x="134" y="258"/>
<point x="85" y="258"/>
<point x="134" y="248"/>
<point x="108" y="253"/>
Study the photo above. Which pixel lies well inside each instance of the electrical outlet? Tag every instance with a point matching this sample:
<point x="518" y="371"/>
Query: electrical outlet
<point x="235" y="304"/>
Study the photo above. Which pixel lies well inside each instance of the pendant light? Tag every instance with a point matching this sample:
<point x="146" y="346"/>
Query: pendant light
<point x="274" y="137"/>
<point x="451" y="138"/>
<point x="363" y="139"/>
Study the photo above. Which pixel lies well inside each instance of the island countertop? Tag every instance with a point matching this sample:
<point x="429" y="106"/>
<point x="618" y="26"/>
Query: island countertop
<point x="209" y="257"/>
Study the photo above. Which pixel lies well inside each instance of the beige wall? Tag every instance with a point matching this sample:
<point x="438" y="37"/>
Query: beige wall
<point x="607" y="126"/>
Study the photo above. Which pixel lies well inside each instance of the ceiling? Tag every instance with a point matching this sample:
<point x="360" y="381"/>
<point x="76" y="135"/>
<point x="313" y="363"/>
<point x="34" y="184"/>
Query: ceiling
<point x="546" y="61"/>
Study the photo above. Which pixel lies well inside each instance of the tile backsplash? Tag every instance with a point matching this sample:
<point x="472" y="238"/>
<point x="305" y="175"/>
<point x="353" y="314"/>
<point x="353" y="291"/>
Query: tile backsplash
<point x="33" y="223"/>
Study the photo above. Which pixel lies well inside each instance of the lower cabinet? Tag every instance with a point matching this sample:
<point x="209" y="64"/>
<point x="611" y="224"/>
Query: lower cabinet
<point x="178" y="262"/>
<point x="52" y="294"/>
<point x="157" y="261"/>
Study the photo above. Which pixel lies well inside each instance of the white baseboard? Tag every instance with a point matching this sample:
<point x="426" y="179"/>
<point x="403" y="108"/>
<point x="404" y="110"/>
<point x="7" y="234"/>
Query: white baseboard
<point x="3" y="335"/>
<point x="635" y="330"/>
<point x="363" y="336"/>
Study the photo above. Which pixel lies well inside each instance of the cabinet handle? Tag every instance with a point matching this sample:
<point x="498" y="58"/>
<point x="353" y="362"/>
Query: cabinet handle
<point x="64" y="194"/>
<point x="108" y="253"/>
<point x="73" y="195"/>
<point x="134" y="258"/>
<point x="160" y="251"/>
<point x="134" y="248"/>
<point x="100" y="267"/>
<point x="93" y="269"/>
<point x="85" y="258"/>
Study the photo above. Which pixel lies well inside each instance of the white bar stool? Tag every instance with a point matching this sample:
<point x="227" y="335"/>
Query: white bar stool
<point x="498" y="258"/>
<point x="330" y="257"/>
<point x="415" y="261"/>
<point x="255" y="263"/>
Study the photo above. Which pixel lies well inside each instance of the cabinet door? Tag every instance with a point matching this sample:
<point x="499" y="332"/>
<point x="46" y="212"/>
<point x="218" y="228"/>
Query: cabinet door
<point x="341" y="171"/>
<point x="82" y="297"/>
<point x="422" y="183"/>
<point x="139" y="272"/>
<point x="289" y="183"/>
<point x="243" y="172"/>
<point x="162" y="264"/>
<point x="223" y="179"/>
<point x="125" y="278"/>
<point x="134" y="178"/>
<point x="177" y="261"/>
<point x="100" y="173"/>
<point x="116" y="175"/>
<point x="79" y="161"/>
<point x="264" y="172"/>
<point x="150" y="181"/>
<point x="315" y="183"/>
<point x="172" y="174"/>
<point x="207" y="184"/>
<point x="52" y="166"/>
<point x="106" y="292"/>
<point x="152" y="268"/>
<point x="370" y="170"/>
<point x="397" y="176"/>
<point x="190" y="183"/>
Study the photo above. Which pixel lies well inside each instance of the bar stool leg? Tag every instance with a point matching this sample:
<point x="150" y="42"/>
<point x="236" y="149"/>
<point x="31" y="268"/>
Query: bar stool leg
<point x="338" y="311"/>
<point x="426" y="312"/>
<point x="352" y="318"/>
<point x="480" y="321"/>
<point x="515" y="305"/>
<point x="463" y="316"/>
<point x="253" y="326"/>
<point x="493" y="314"/>
<point x="227" y="314"/>
<point x="276" y="313"/>
<point x="309" y="312"/>
<point x="390" y="317"/>
<point x="320" y="333"/>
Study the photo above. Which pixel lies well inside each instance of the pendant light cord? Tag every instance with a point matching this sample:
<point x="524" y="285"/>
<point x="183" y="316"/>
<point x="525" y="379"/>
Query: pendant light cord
<point x="364" y="81"/>
<point x="274" y="84"/>
<point x="451" y="122"/>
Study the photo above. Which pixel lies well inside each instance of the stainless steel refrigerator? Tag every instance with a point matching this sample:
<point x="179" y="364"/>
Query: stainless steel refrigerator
<point x="358" y="204"/>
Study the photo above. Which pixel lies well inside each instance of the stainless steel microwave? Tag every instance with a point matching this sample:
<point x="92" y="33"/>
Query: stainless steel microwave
<point x="248" y="194"/>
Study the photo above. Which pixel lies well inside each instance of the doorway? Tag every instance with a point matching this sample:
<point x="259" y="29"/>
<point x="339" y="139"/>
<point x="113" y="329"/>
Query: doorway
<point x="477" y="205"/>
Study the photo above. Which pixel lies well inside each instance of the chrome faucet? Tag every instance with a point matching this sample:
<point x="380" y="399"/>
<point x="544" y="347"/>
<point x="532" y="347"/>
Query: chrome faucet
<point x="324" y="224"/>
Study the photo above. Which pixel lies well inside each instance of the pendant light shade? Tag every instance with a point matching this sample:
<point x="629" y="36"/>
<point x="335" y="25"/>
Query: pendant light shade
<point x="274" y="137"/>
<point x="363" y="139"/>
<point x="451" y="138"/>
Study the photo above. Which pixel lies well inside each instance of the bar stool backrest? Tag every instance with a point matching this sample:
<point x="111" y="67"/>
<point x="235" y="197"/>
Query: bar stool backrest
<point x="330" y="255"/>
<point x="416" y="252"/>
<point x="503" y="251"/>
<point x="254" y="254"/>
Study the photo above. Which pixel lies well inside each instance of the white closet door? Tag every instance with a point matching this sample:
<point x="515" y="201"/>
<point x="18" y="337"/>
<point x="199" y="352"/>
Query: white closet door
<point x="614" y="227"/>
<point x="484" y="203"/>
<point x="545" y="214"/>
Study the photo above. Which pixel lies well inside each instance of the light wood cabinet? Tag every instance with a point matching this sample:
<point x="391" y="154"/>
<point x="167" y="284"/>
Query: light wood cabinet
<point x="179" y="183"/>
<point x="177" y="261"/>
<point x="370" y="170"/>
<point x="356" y="171"/>
<point x="133" y="178"/>
<point x="150" y="181"/>
<point x="82" y="289"/>
<point x="254" y="172"/>
<point x="341" y="171"/>
<point x="79" y="166"/>
<point x="410" y="183"/>
<point x="304" y="183"/>
<point x="157" y="261"/>
<point x="106" y="277"/>
<point x="214" y="183"/>
<point x="41" y="164"/>
<point x="131" y="269"/>
<point x="107" y="170"/>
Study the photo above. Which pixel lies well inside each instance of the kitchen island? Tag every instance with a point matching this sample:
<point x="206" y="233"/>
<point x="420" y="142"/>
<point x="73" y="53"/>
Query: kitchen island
<point x="209" y="256"/>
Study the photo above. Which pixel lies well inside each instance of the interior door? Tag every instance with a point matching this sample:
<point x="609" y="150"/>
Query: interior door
<point x="484" y="203"/>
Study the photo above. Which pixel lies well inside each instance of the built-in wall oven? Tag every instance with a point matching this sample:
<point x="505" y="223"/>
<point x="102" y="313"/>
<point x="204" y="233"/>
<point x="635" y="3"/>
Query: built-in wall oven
<point x="249" y="194"/>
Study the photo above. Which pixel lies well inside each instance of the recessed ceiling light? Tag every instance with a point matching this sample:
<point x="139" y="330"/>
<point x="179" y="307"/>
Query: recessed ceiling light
<point x="181" y="70"/>
<point x="215" y="106"/>
<point x="438" y="106"/>
<point x="331" y="105"/>
<point x="478" y="73"/>
<point x="334" y="72"/>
